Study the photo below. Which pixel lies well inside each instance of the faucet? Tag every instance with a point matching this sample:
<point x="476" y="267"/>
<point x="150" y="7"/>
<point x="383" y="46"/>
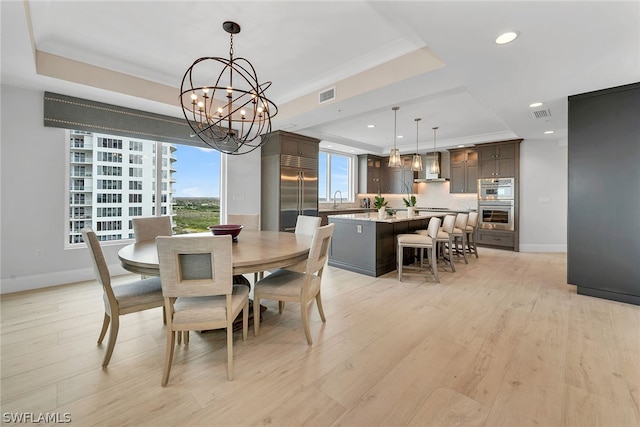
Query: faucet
<point x="335" y="205"/>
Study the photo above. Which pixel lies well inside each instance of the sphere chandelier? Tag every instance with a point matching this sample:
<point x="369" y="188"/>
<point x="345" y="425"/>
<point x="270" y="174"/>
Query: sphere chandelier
<point x="230" y="112"/>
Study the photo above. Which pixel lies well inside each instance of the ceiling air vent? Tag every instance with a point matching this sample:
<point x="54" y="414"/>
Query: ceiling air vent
<point x="327" y="95"/>
<point x="542" y="114"/>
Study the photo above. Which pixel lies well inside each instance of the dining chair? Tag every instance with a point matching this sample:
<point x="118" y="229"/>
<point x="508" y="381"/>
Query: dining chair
<point x="249" y="222"/>
<point x="148" y="228"/>
<point x="121" y="299"/>
<point x="198" y="290"/>
<point x="472" y="233"/>
<point x="294" y="286"/>
<point x="420" y="242"/>
<point x="151" y="227"/>
<point x="305" y="226"/>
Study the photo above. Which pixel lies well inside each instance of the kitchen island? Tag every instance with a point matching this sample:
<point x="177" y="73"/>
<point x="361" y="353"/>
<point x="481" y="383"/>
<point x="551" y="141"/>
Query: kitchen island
<point x="366" y="243"/>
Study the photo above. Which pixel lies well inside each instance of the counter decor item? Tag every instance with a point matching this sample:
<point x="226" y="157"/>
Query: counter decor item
<point x="222" y="229"/>
<point x="380" y="204"/>
<point x="409" y="202"/>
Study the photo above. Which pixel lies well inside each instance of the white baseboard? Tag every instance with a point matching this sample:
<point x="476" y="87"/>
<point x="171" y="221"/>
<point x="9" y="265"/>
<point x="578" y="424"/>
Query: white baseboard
<point x="542" y="248"/>
<point x="26" y="283"/>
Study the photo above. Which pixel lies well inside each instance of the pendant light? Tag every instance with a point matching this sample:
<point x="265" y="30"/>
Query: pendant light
<point x="416" y="163"/>
<point x="224" y="104"/>
<point x="394" y="158"/>
<point x="435" y="165"/>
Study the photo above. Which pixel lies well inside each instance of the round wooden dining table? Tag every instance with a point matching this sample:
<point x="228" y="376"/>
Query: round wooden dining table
<point x="255" y="251"/>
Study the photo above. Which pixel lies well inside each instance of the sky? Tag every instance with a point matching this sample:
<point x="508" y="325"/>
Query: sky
<point x="197" y="172"/>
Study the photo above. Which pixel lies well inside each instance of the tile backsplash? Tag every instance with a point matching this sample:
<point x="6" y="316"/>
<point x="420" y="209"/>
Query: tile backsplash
<point x="429" y="195"/>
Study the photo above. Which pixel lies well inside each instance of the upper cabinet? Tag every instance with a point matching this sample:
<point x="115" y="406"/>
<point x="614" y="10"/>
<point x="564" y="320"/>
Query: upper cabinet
<point x="282" y="142"/>
<point x="398" y="180"/>
<point x="370" y="174"/>
<point x="463" y="170"/>
<point x="375" y="177"/>
<point x="498" y="160"/>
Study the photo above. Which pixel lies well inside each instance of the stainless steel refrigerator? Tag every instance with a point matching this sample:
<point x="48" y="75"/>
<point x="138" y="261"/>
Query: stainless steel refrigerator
<point x="289" y="188"/>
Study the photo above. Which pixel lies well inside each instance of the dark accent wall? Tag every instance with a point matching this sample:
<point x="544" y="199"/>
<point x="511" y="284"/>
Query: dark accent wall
<point x="603" y="242"/>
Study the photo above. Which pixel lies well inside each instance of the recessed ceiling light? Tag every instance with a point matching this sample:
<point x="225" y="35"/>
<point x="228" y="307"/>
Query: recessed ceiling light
<point x="329" y="146"/>
<point x="547" y="132"/>
<point x="371" y="126"/>
<point x="461" y="145"/>
<point x="507" y="37"/>
<point x="400" y="136"/>
<point x="535" y="104"/>
<point x="352" y="151"/>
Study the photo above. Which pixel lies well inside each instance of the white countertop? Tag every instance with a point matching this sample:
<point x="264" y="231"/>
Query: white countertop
<point x="398" y="217"/>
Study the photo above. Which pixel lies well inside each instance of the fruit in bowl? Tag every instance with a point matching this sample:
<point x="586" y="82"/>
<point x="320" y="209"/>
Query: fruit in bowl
<point x="222" y="229"/>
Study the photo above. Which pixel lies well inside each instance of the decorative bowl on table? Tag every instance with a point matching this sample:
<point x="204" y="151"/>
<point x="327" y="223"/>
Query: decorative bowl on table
<point x="222" y="229"/>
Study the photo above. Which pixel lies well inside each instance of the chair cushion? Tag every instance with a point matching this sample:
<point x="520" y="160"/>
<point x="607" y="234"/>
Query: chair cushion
<point x="208" y="309"/>
<point x="419" y="239"/>
<point x="138" y="293"/>
<point x="457" y="232"/>
<point x="286" y="283"/>
<point x="470" y="228"/>
<point x="443" y="235"/>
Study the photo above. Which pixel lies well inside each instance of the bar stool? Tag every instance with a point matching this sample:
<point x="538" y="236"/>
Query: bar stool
<point x="460" y="234"/>
<point x="472" y="233"/>
<point x="421" y="242"/>
<point x="445" y="239"/>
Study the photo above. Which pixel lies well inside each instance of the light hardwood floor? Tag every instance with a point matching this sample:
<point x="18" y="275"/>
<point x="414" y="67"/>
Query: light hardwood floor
<point x="503" y="341"/>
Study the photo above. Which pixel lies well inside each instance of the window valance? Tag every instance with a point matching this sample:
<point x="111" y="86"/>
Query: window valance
<point x="90" y="116"/>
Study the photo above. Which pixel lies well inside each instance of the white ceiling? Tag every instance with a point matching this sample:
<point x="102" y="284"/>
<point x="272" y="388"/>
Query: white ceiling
<point x="436" y="60"/>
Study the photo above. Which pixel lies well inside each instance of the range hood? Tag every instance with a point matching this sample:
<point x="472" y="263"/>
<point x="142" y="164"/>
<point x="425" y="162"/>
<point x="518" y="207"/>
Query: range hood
<point x="424" y="175"/>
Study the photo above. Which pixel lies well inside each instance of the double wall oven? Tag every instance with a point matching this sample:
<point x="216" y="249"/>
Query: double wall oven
<point x="496" y="198"/>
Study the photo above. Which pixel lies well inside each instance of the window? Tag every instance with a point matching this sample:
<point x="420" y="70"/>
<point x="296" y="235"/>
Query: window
<point x="104" y="156"/>
<point x="110" y="143"/>
<point x="106" y="196"/>
<point x="109" y="184"/>
<point x="154" y="141"/>
<point x="336" y="173"/>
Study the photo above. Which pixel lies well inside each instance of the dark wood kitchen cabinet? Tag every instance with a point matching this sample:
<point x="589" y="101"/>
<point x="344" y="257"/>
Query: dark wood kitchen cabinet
<point x="374" y="176"/>
<point x="463" y="171"/>
<point x="498" y="160"/>
<point x="282" y="142"/>
<point x="399" y="180"/>
<point x="370" y="174"/>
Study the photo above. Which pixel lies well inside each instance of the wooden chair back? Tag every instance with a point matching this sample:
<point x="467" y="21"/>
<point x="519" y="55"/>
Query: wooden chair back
<point x="449" y="223"/>
<point x="461" y="221"/>
<point x="473" y="219"/>
<point x="151" y="227"/>
<point x="194" y="266"/>
<point x="434" y="225"/>
<point x="99" y="264"/>
<point x="319" y="249"/>
<point x="306" y="225"/>
<point x="250" y="222"/>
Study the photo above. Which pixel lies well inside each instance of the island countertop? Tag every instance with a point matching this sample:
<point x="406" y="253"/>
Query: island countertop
<point x="399" y="216"/>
